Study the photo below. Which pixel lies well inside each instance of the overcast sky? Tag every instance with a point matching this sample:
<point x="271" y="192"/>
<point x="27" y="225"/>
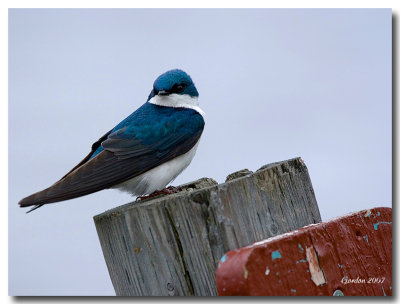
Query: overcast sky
<point x="275" y="84"/>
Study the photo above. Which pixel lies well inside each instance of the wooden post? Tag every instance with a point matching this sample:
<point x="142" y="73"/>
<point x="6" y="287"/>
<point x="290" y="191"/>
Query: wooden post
<point x="350" y="255"/>
<point x="171" y="245"/>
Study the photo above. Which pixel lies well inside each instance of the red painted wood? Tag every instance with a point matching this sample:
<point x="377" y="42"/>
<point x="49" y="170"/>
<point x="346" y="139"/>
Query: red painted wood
<point x="351" y="254"/>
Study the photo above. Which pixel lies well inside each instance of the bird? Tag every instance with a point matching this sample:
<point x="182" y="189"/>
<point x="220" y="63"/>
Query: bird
<point x="144" y="152"/>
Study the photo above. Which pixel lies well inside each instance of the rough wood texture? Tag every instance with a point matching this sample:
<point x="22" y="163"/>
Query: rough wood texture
<point x="350" y="256"/>
<point x="171" y="245"/>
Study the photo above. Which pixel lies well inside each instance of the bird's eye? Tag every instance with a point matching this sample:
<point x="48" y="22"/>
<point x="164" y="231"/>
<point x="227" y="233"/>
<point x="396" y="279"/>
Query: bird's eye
<point x="179" y="88"/>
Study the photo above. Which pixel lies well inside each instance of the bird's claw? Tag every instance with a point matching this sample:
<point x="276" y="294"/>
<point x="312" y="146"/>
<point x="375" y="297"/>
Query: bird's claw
<point x="165" y="191"/>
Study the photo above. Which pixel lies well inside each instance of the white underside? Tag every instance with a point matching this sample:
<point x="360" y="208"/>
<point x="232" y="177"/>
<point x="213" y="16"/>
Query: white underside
<point x="157" y="178"/>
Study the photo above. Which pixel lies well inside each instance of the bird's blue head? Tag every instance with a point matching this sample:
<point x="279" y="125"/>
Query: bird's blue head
<point x="174" y="82"/>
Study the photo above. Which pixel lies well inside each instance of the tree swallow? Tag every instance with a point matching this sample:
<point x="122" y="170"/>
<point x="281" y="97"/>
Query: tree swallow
<point x="144" y="152"/>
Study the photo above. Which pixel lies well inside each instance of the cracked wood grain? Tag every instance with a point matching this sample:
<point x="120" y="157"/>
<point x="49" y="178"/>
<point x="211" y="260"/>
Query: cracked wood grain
<point x="171" y="245"/>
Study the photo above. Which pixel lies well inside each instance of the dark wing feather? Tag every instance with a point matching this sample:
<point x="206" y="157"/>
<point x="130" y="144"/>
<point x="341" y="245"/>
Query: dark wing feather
<point x="94" y="148"/>
<point x="125" y="156"/>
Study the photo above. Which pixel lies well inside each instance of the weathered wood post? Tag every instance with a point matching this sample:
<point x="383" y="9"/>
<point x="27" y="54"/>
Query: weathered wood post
<point x="171" y="245"/>
<point x="347" y="256"/>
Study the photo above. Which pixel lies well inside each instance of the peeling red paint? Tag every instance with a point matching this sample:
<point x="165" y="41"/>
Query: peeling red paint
<point x="317" y="274"/>
<point x="350" y="255"/>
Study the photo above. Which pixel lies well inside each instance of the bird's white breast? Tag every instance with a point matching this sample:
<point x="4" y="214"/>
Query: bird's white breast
<point x="157" y="178"/>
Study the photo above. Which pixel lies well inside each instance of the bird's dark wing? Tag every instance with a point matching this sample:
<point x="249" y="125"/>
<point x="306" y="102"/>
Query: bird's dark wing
<point x="95" y="146"/>
<point x="131" y="149"/>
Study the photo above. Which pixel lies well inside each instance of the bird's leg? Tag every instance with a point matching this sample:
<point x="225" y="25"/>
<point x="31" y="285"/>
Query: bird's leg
<point x="171" y="189"/>
<point x="165" y="191"/>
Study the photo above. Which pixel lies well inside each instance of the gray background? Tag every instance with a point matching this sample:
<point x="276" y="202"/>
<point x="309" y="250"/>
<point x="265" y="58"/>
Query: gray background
<point x="275" y="84"/>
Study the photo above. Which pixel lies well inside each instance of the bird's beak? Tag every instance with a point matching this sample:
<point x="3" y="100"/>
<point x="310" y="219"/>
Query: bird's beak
<point x="163" y="93"/>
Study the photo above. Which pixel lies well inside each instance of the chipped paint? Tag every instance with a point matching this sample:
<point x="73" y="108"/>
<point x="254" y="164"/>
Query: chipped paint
<point x="368" y="213"/>
<point x="274" y="238"/>
<point x="246" y="273"/>
<point x="301" y="261"/>
<point x="384" y="293"/>
<point x="338" y="293"/>
<point x="293" y="290"/>
<point x="377" y="224"/>
<point x="276" y="255"/>
<point x="223" y="259"/>
<point x="317" y="275"/>
<point x="311" y="225"/>
<point x="326" y="257"/>
<point x="378" y="213"/>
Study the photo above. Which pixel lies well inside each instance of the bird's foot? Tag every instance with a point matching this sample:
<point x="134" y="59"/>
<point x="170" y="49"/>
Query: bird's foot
<point x="165" y="191"/>
<point x="171" y="190"/>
